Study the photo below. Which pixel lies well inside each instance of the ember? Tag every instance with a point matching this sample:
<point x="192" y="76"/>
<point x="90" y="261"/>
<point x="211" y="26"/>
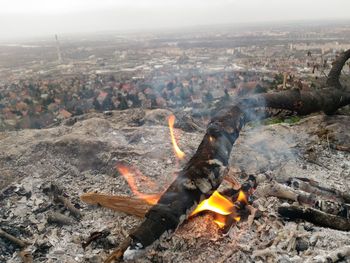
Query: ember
<point x="171" y="121"/>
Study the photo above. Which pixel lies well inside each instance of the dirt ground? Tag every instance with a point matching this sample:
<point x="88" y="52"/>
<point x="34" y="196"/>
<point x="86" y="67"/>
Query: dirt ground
<point x="81" y="156"/>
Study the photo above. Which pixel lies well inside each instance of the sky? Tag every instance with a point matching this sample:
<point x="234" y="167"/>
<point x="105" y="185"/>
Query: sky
<point x="30" y="18"/>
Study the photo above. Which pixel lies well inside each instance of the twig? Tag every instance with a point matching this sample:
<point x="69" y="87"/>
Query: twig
<point x="68" y="205"/>
<point x="13" y="239"/>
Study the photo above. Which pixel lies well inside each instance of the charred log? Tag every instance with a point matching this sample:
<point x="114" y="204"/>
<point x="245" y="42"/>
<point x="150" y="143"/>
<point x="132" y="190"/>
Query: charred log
<point x="315" y="216"/>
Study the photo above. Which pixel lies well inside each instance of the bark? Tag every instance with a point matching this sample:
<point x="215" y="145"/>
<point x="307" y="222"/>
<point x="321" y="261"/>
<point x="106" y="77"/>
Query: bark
<point x="205" y="170"/>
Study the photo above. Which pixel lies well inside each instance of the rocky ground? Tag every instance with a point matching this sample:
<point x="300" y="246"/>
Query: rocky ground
<point x="80" y="156"/>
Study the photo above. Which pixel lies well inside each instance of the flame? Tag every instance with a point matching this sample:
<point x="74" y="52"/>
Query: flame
<point x="130" y="178"/>
<point x="171" y="121"/>
<point x="216" y="203"/>
<point x="220" y="220"/>
<point x="222" y="206"/>
<point x="242" y="197"/>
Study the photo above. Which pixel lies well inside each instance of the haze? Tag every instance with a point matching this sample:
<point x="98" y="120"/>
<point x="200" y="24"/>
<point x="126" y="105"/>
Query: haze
<point x="32" y="18"/>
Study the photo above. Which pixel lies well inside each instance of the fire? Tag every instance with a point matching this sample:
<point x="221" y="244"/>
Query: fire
<point x="171" y="121"/>
<point x="221" y="206"/>
<point x="130" y="178"/>
<point x="216" y="203"/>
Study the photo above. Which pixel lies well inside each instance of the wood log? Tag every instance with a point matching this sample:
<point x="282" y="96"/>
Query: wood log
<point x="204" y="172"/>
<point x="129" y="205"/>
<point x="315" y="216"/>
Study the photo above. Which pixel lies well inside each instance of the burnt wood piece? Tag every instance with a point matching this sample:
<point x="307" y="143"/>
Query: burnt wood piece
<point x="204" y="171"/>
<point x="313" y="187"/>
<point x="315" y="216"/>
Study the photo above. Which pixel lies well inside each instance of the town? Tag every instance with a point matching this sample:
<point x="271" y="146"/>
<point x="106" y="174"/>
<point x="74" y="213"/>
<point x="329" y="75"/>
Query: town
<point x="43" y="82"/>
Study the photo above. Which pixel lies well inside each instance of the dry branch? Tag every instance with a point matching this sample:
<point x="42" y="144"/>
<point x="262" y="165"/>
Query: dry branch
<point x="205" y="170"/>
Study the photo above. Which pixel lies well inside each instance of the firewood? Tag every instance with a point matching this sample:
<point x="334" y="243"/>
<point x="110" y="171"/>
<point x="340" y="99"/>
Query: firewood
<point x="129" y="205"/>
<point x="313" y="187"/>
<point x="285" y="192"/>
<point x="205" y="170"/>
<point x="315" y="216"/>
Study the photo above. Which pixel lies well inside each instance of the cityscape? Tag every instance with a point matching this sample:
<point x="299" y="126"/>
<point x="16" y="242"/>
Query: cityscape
<point x="45" y="81"/>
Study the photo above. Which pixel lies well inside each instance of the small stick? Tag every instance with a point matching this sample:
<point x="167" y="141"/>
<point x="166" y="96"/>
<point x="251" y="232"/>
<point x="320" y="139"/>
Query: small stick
<point x="13" y="239"/>
<point x="67" y="204"/>
<point x="57" y="192"/>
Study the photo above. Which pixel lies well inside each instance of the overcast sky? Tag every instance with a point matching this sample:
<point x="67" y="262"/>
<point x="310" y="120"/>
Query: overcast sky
<point x="47" y="17"/>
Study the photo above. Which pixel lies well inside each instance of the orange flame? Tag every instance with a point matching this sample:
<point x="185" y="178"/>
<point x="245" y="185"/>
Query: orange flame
<point x="222" y="206"/>
<point x="220" y="220"/>
<point x="242" y="197"/>
<point x="130" y="178"/>
<point x="216" y="203"/>
<point x="171" y="121"/>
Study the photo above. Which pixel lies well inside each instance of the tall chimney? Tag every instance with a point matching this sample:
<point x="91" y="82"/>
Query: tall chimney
<point x="285" y="80"/>
<point x="58" y="49"/>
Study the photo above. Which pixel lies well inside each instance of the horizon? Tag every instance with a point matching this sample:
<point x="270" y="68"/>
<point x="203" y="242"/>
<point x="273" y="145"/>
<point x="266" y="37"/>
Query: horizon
<point x="39" y="18"/>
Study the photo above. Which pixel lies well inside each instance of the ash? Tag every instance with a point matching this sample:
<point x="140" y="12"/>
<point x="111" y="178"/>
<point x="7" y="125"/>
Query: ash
<point x="80" y="156"/>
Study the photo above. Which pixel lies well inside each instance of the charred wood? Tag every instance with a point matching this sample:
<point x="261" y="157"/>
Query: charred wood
<point x="315" y="216"/>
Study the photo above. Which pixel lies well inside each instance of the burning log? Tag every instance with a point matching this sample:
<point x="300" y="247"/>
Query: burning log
<point x="205" y="171"/>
